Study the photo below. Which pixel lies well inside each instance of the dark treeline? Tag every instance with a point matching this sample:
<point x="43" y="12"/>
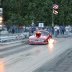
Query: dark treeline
<point x="26" y="11"/>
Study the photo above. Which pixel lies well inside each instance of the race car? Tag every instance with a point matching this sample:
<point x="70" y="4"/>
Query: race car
<point x="40" y="37"/>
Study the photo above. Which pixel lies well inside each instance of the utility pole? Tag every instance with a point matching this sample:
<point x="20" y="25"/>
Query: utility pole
<point x="52" y="18"/>
<point x="1" y="13"/>
<point x="0" y="2"/>
<point x="1" y="17"/>
<point x="54" y="12"/>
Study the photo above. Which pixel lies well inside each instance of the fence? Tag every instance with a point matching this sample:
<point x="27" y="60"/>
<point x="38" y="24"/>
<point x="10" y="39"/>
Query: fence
<point x="17" y="36"/>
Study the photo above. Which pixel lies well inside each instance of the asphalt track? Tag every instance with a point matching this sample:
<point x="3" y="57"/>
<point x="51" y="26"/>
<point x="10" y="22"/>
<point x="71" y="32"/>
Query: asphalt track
<point x="38" y="58"/>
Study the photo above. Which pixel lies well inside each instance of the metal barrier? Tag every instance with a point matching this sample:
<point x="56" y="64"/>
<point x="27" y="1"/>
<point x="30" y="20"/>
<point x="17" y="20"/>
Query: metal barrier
<point x="16" y="36"/>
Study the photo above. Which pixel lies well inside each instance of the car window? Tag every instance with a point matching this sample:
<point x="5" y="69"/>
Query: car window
<point x="42" y="33"/>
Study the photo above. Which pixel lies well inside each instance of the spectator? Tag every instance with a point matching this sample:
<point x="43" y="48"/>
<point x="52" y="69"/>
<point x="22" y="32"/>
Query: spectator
<point x="13" y="31"/>
<point x="56" y="30"/>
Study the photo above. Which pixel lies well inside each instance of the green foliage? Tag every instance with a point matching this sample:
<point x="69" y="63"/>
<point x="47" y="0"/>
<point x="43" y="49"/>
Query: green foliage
<point x="24" y="11"/>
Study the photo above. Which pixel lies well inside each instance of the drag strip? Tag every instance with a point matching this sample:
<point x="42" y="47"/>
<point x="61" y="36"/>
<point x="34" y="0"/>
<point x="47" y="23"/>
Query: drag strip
<point x="16" y="50"/>
<point x="61" y="63"/>
<point x="32" y="59"/>
<point x="19" y="48"/>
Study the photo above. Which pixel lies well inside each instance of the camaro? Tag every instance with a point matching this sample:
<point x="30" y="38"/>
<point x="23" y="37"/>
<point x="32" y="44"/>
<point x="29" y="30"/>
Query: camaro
<point x="40" y="37"/>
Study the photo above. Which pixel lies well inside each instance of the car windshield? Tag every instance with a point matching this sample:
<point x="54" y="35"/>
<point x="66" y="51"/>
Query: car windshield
<point x="44" y="33"/>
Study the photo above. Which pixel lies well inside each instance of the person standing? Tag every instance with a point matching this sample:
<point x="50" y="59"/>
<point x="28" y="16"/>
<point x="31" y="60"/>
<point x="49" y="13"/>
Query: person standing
<point x="56" y="30"/>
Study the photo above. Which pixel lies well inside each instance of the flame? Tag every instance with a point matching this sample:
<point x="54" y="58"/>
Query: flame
<point x="50" y="41"/>
<point x="50" y="46"/>
<point x="1" y="66"/>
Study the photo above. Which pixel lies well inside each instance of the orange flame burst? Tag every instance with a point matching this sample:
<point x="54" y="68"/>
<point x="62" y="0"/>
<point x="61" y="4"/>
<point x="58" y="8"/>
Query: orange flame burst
<point x="1" y="66"/>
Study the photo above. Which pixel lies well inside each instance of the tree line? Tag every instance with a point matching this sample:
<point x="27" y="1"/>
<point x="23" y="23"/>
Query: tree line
<point x="23" y="12"/>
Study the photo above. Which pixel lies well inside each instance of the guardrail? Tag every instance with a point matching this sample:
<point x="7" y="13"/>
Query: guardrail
<point x="16" y="36"/>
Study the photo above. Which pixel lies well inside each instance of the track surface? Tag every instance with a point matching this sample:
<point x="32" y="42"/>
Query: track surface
<point x="38" y="58"/>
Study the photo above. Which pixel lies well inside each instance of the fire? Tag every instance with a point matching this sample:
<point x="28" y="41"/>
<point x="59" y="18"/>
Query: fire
<point x="50" y="46"/>
<point x="51" y="41"/>
<point x="1" y="66"/>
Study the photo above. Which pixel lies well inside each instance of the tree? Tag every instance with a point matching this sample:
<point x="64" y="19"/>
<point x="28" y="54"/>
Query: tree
<point x="24" y="11"/>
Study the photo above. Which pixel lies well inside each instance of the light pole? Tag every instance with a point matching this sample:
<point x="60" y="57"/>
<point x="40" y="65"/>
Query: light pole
<point x="0" y="2"/>
<point x="1" y="17"/>
<point x="54" y="12"/>
<point x="1" y="13"/>
<point x="1" y="20"/>
<point x="52" y="18"/>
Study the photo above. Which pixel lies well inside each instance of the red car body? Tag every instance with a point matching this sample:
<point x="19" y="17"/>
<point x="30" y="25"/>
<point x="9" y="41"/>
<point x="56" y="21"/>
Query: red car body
<point x="40" y="37"/>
